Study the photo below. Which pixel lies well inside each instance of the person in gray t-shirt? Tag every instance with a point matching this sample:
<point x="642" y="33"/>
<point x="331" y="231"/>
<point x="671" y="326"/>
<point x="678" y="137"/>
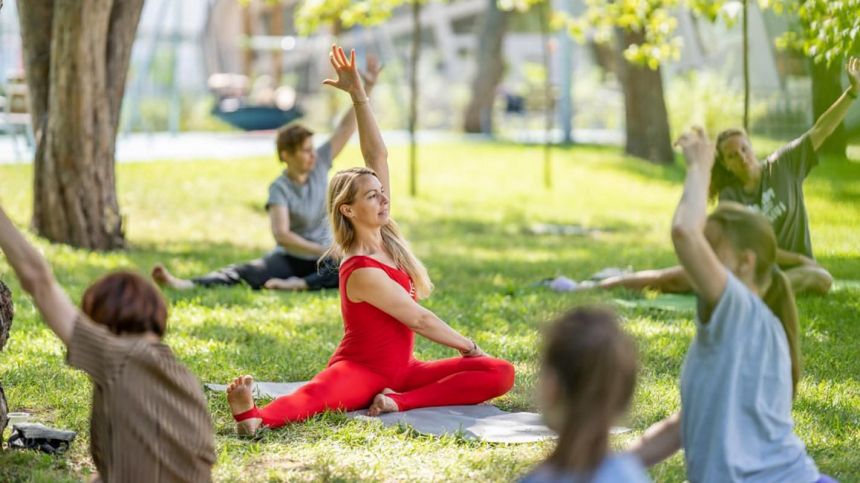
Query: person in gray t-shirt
<point x="743" y="367"/>
<point x="296" y="207"/>
<point x="774" y="188"/>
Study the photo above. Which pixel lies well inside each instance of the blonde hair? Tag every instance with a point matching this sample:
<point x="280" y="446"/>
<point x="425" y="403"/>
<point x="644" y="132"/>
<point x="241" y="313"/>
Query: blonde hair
<point x="748" y="230"/>
<point x="342" y="191"/>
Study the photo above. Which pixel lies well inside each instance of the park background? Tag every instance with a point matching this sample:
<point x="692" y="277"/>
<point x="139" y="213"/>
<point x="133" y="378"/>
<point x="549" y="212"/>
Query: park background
<point x="525" y="115"/>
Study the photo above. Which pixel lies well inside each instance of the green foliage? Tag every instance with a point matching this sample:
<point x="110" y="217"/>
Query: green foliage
<point x="468" y="227"/>
<point x="825" y="30"/>
<point x="311" y="14"/>
<point x="706" y="99"/>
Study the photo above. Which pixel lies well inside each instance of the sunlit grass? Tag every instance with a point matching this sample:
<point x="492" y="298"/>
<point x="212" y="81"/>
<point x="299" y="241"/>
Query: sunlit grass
<point x="470" y="226"/>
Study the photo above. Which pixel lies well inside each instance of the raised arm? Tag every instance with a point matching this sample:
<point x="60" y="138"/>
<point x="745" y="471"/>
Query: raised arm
<point x="707" y="274"/>
<point x="37" y="280"/>
<point x="346" y="127"/>
<point x="832" y="118"/>
<point x="373" y="286"/>
<point x="372" y="146"/>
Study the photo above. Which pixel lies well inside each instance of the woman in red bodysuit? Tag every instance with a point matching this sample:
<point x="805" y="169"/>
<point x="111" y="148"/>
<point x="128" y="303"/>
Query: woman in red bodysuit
<point x="381" y="281"/>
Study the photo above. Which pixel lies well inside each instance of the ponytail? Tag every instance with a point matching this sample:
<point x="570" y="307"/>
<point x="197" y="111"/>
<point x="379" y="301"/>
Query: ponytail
<point x="780" y="299"/>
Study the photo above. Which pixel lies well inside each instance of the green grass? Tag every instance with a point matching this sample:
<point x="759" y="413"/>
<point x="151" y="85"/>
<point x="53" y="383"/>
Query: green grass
<point x="468" y="225"/>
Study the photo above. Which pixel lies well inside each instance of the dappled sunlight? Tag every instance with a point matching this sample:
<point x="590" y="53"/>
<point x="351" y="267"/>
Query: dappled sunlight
<point x="471" y="225"/>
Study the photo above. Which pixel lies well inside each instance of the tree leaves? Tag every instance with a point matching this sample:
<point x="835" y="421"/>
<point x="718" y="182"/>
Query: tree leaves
<point x="825" y="30"/>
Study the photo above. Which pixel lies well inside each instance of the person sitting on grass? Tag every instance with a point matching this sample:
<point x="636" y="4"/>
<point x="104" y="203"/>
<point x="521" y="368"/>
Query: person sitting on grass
<point x="296" y="208"/>
<point x="741" y="372"/>
<point x="149" y="420"/>
<point x="586" y="383"/>
<point x="773" y="188"/>
<point x="380" y="283"/>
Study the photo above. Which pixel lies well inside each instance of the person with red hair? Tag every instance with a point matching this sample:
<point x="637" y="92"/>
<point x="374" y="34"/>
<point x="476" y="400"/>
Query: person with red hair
<point x="149" y="419"/>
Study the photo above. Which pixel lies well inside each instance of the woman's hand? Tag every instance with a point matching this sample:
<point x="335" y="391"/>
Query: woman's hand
<point x="348" y="78"/>
<point x="370" y="74"/>
<point x="698" y="151"/>
<point x="853" y="69"/>
<point x="475" y="351"/>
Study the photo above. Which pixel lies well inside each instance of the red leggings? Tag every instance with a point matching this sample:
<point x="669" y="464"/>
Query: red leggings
<point x="349" y="386"/>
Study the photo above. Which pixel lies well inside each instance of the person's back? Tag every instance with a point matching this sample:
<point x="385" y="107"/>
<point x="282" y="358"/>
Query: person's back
<point x="149" y="418"/>
<point x="618" y="468"/>
<point x="736" y="388"/>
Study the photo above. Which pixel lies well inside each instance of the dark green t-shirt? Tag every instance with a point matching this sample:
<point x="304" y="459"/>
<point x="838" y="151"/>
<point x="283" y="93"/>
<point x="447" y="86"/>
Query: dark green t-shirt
<point x="779" y="195"/>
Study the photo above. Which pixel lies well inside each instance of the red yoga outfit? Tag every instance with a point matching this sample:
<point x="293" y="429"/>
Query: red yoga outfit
<point x="376" y="353"/>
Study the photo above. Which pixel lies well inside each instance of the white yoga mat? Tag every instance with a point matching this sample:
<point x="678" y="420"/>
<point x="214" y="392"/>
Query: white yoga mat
<point x="484" y="422"/>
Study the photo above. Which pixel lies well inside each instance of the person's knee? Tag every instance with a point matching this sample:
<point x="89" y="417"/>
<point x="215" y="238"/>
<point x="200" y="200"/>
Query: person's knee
<point x="821" y="282"/>
<point x="504" y="375"/>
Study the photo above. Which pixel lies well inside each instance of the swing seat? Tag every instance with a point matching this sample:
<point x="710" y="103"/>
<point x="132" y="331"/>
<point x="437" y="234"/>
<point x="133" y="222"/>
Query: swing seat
<point x="257" y="118"/>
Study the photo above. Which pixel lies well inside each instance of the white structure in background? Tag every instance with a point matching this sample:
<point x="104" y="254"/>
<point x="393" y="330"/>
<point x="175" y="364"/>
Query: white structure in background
<point x="180" y="43"/>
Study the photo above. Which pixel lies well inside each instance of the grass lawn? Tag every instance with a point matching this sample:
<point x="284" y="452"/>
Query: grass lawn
<point x="467" y="225"/>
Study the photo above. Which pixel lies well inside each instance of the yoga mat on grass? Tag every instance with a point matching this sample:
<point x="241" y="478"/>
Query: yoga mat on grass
<point x="687" y="303"/>
<point x="668" y="302"/>
<point x="484" y="422"/>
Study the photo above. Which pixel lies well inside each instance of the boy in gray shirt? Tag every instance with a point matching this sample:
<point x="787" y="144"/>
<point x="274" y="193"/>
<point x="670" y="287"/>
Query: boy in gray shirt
<point x="296" y="208"/>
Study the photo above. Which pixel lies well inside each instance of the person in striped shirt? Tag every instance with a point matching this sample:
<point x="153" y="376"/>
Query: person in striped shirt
<point x="149" y="419"/>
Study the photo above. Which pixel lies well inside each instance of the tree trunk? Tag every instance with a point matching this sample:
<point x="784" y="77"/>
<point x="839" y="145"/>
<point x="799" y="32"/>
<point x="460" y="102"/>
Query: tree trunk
<point x="77" y="57"/>
<point x="647" y="122"/>
<point x="494" y="24"/>
<point x="413" y="100"/>
<point x="826" y="89"/>
<point x="746" y="58"/>
<point x="7" y="313"/>
<point x="548" y="95"/>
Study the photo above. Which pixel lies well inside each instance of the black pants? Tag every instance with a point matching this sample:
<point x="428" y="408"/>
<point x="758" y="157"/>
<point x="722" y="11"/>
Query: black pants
<point x="274" y="265"/>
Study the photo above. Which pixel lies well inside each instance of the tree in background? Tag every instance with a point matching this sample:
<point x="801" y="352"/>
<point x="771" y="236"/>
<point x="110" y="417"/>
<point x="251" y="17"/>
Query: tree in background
<point x="826" y="32"/>
<point x="312" y="14"/>
<point x="643" y="31"/>
<point x="490" y="63"/>
<point x="76" y="57"/>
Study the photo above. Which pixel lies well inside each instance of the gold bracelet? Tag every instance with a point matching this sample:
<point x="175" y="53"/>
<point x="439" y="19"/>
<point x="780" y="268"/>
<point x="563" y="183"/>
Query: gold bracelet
<point x="360" y="103"/>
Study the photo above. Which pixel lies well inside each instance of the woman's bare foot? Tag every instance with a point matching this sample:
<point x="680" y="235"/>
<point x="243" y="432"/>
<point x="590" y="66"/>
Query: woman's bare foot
<point x="163" y="278"/>
<point x="241" y="400"/>
<point x="383" y="404"/>
<point x="292" y="284"/>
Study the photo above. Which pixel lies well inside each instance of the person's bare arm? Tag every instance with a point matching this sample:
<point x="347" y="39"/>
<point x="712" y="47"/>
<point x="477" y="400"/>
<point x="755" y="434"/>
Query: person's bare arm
<point x="37" y="279"/>
<point x="279" y="217"/>
<point x="346" y="127"/>
<point x="658" y="442"/>
<point x="372" y="146"/>
<point x="372" y="285"/>
<point x="833" y="117"/>
<point x="786" y="258"/>
<point x="705" y="271"/>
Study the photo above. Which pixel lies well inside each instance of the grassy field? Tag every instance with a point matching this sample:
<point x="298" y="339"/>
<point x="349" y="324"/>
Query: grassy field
<point x="469" y="226"/>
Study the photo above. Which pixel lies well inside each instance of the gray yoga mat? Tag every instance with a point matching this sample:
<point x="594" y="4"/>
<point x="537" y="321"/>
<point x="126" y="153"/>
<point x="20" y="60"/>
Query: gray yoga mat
<point x="484" y="422"/>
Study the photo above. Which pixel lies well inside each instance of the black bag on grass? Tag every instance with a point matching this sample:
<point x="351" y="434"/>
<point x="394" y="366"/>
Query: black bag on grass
<point x="38" y="437"/>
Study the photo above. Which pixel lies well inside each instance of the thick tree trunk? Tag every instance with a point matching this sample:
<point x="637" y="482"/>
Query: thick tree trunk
<point x="826" y="89"/>
<point x="494" y="24"/>
<point x="647" y="122"/>
<point x="76" y="72"/>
